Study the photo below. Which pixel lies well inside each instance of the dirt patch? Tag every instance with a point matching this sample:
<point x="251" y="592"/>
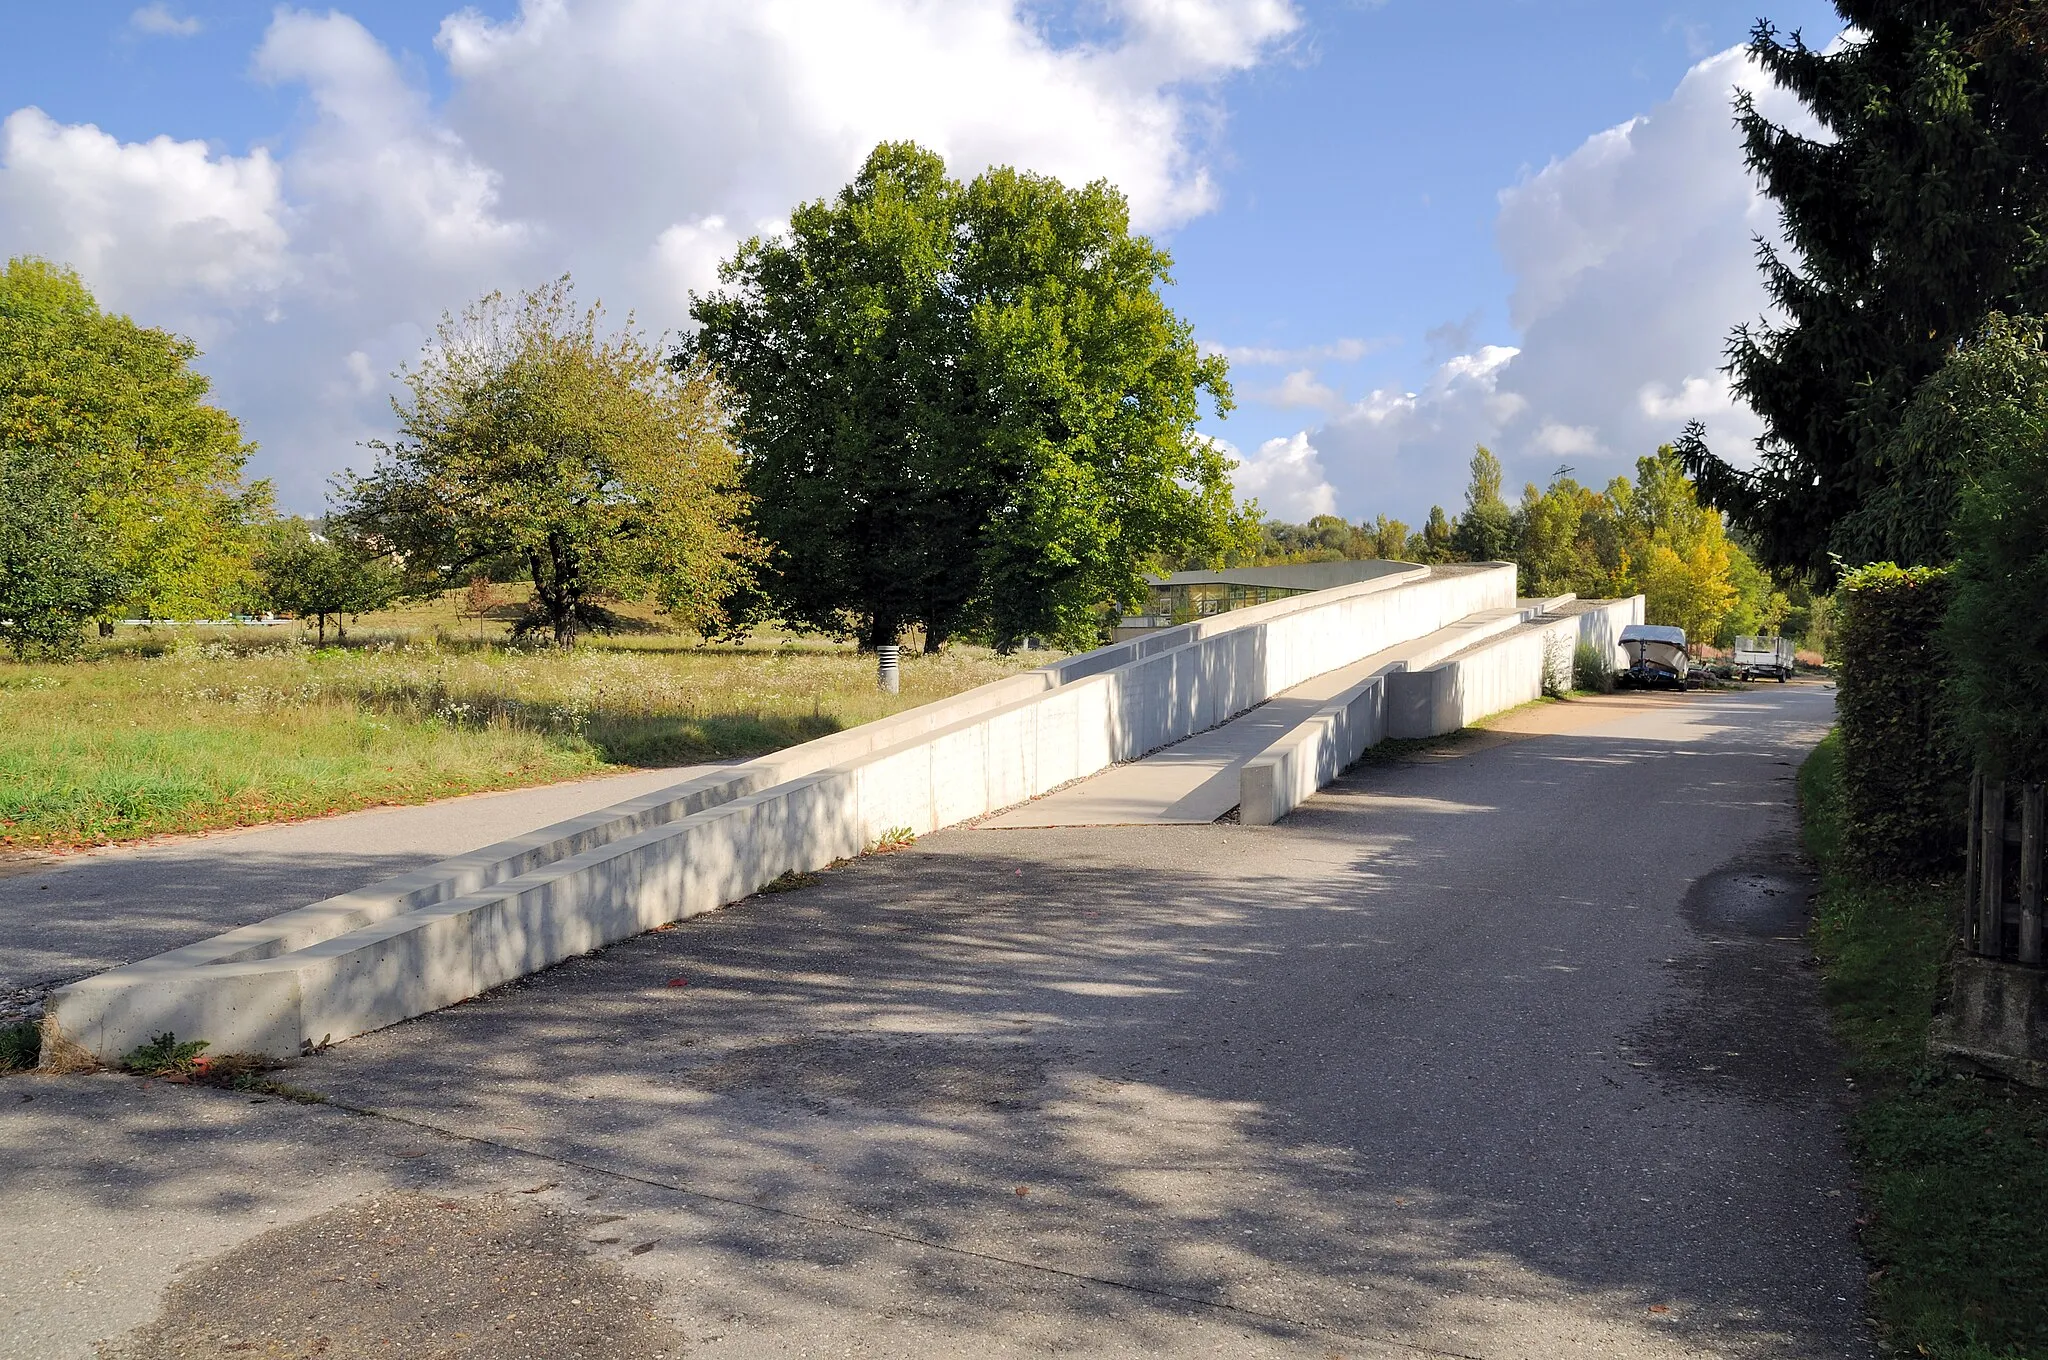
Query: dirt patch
<point x="935" y="1076"/>
<point x="409" y="1275"/>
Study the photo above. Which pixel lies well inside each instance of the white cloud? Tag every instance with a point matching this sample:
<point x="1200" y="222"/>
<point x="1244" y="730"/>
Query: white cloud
<point x="1632" y="258"/>
<point x="147" y="223"/>
<point x="1387" y="452"/>
<point x="158" y="21"/>
<point x="622" y="140"/>
<point x="1286" y="476"/>
<point x="729" y="108"/>
<point x="1344" y="350"/>
<point x="1565" y="441"/>
<point x="1302" y="388"/>
<point x="376" y="164"/>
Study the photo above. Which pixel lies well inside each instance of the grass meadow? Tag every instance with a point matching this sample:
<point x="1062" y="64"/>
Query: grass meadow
<point x="191" y="729"/>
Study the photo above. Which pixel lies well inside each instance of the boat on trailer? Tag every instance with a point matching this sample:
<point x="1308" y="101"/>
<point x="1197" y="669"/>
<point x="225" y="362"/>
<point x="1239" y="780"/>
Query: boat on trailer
<point x="1656" y="655"/>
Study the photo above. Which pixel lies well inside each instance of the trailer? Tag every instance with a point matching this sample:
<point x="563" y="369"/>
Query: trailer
<point x="1766" y="656"/>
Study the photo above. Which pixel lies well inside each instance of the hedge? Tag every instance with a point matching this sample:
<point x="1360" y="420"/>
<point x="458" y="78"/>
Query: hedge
<point x="1903" y="776"/>
<point x="1996" y="637"/>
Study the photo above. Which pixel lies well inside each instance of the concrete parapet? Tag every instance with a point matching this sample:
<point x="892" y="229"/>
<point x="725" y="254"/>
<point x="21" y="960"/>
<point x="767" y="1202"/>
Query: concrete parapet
<point x="412" y="944"/>
<point x="1287" y="773"/>
<point x="1504" y="671"/>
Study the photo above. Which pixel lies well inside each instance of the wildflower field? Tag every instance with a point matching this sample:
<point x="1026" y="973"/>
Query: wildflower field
<point x="191" y="729"/>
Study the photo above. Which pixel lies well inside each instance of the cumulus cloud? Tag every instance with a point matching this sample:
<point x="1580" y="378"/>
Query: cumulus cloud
<point x="147" y="223"/>
<point x="1388" y="451"/>
<point x="631" y="142"/>
<point x="1286" y="477"/>
<point x="1302" y="388"/>
<point x="1632" y="258"/>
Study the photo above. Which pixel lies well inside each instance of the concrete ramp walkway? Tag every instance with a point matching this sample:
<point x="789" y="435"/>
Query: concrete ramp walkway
<point x="1196" y="780"/>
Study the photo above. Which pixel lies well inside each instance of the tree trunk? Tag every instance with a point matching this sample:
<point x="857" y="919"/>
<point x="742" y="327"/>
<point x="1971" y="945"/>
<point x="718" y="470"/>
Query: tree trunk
<point x="555" y="586"/>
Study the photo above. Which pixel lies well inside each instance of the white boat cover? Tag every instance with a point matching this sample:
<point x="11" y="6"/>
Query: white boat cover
<point x="1653" y="632"/>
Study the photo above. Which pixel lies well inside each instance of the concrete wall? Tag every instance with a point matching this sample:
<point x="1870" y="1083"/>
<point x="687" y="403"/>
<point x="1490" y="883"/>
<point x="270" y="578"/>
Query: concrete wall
<point x="1287" y="774"/>
<point x="413" y="944"/>
<point x="1603" y="627"/>
<point x="1499" y="674"/>
<point x="1478" y="681"/>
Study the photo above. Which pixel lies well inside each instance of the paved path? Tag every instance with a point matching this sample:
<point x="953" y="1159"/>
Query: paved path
<point x="1508" y="1050"/>
<point x="61" y="918"/>
<point x="1195" y="781"/>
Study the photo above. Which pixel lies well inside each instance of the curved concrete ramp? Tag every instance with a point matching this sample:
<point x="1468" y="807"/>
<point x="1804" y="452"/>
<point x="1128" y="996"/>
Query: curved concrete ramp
<point x="1197" y="780"/>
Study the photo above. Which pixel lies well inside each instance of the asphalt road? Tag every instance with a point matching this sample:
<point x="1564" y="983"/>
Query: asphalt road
<point x="1508" y="1049"/>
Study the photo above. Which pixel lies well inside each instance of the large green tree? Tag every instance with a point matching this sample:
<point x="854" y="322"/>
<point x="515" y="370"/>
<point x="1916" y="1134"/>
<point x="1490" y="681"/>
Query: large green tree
<point x="1486" y="531"/>
<point x="965" y="406"/>
<point x="55" y="565"/>
<point x="530" y="434"/>
<point x="117" y="421"/>
<point x="1919" y="206"/>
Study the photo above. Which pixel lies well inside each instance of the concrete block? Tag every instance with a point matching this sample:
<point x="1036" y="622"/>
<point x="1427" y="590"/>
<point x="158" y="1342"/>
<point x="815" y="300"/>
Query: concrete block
<point x="1996" y="1016"/>
<point x="1287" y="773"/>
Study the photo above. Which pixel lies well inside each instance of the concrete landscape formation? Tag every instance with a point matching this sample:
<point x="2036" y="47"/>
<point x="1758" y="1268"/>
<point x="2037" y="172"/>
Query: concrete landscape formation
<point x="1409" y="652"/>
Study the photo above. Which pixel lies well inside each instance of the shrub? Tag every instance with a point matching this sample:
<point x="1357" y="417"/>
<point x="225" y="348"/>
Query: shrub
<point x="1593" y="668"/>
<point x="1995" y="638"/>
<point x="21" y="1047"/>
<point x="1902" y="774"/>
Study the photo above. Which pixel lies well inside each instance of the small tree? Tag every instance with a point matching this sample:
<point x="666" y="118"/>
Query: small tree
<point x="529" y="434"/>
<point x="312" y="576"/>
<point x="55" y="571"/>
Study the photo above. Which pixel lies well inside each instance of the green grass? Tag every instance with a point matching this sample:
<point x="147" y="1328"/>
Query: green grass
<point x="1954" y="1166"/>
<point x="188" y="730"/>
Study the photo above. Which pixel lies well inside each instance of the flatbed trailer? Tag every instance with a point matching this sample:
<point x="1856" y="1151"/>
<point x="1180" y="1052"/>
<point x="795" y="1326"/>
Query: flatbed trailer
<point x="1767" y="656"/>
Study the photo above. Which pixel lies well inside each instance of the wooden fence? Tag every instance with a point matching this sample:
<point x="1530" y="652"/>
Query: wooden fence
<point x="2003" y="916"/>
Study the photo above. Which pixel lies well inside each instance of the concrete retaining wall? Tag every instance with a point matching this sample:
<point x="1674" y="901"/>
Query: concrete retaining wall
<point x="1485" y="678"/>
<point x="1499" y="674"/>
<point x="368" y="959"/>
<point x="1602" y="627"/>
<point x="1287" y="774"/>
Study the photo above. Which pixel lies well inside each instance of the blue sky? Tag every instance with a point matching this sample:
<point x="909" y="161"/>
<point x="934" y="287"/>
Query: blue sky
<point x="1413" y="224"/>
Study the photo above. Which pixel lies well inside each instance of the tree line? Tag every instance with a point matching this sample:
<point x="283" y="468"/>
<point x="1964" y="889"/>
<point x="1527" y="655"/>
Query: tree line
<point x="961" y="408"/>
<point x="1650" y="536"/>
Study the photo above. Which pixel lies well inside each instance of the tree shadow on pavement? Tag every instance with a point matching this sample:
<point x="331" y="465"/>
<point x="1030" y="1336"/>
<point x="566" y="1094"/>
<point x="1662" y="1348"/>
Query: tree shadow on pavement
<point x="1373" y="1074"/>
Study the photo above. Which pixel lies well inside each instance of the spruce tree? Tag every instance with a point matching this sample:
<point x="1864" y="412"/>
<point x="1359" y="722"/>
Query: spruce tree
<point x="1918" y="209"/>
